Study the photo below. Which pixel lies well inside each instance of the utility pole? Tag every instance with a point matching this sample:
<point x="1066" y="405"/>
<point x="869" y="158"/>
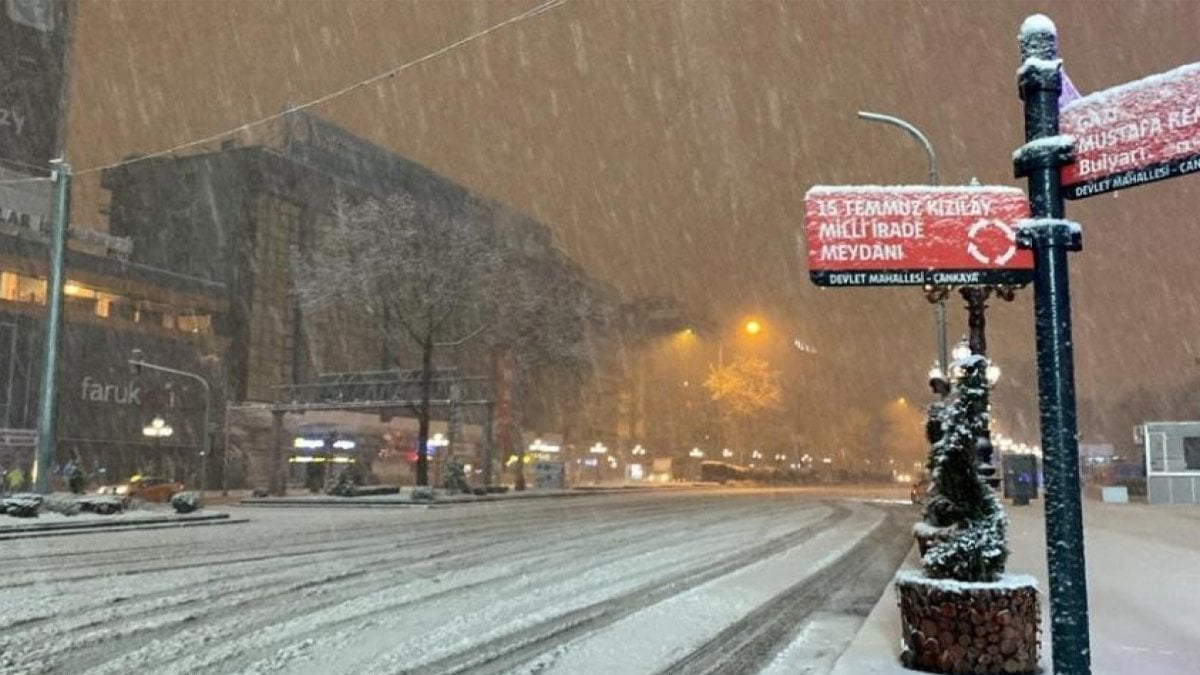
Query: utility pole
<point x="48" y="402"/>
<point x="1051" y="237"/>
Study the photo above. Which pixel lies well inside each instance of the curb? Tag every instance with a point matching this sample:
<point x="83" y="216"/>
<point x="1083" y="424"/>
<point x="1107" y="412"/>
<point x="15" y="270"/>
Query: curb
<point x="354" y="502"/>
<point x="874" y="649"/>
<point x="149" y="523"/>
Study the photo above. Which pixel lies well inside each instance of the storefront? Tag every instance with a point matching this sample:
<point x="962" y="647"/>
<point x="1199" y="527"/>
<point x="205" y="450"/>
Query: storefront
<point x="105" y="408"/>
<point x="318" y="453"/>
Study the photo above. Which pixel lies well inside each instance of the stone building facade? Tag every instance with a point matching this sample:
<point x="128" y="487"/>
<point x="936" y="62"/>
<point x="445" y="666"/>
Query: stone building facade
<point x="242" y="217"/>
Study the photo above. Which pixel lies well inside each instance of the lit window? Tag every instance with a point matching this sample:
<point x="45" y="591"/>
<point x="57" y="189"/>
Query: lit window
<point x="194" y="323"/>
<point x="8" y="286"/>
<point x="30" y="290"/>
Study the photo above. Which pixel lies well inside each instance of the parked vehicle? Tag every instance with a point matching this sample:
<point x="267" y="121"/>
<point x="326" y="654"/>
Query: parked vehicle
<point x="145" y="488"/>
<point x="919" y="491"/>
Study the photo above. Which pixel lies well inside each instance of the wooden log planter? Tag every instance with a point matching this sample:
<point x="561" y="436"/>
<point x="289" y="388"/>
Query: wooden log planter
<point x="961" y="627"/>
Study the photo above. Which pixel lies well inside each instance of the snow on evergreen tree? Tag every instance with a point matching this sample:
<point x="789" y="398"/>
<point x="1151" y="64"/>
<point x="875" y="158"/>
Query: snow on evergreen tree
<point x="961" y="508"/>
<point x="346" y="483"/>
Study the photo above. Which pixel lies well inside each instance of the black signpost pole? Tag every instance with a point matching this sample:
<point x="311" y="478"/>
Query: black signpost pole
<point x="1051" y="237"/>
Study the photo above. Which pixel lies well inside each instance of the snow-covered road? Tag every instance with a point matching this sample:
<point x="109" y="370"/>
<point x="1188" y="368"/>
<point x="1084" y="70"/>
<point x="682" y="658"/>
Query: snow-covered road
<point x="678" y="581"/>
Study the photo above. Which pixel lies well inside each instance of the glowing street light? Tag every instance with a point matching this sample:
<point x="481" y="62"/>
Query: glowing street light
<point x="961" y="350"/>
<point x="727" y="453"/>
<point x="157" y="429"/>
<point x="598" y="449"/>
<point x="753" y="327"/>
<point x="696" y="453"/>
<point x="992" y="373"/>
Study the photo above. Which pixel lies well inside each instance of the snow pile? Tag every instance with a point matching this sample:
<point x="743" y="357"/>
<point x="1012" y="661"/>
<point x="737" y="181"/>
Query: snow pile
<point x="65" y="505"/>
<point x="185" y="502"/>
<point x="21" y="505"/>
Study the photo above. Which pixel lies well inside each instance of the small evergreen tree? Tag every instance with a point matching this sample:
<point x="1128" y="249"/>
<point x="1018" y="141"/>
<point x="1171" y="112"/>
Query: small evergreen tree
<point x="76" y="480"/>
<point x="454" y="476"/>
<point x="971" y="543"/>
<point x="346" y="483"/>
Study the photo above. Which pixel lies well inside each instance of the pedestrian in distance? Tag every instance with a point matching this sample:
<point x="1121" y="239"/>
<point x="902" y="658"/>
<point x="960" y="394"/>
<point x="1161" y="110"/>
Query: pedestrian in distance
<point x="15" y="479"/>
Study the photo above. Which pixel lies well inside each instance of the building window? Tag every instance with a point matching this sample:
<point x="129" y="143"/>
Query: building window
<point x="1191" y="453"/>
<point x="29" y="289"/>
<point x="194" y="323"/>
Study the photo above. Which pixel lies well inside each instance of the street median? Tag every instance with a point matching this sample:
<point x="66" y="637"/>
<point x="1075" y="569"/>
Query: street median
<point x="405" y="497"/>
<point x="53" y="524"/>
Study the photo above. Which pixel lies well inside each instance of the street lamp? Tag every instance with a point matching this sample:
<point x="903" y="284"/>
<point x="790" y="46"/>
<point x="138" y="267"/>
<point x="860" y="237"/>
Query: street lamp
<point x="696" y="453"/>
<point x="934" y="294"/>
<point x="961" y="350"/>
<point x="137" y="362"/>
<point x="938" y="381"/>
<point x="157" y="429"/>
<point x="993" y="373"/>
<point x="598" y="448"/>
<point x="727" y="453"/>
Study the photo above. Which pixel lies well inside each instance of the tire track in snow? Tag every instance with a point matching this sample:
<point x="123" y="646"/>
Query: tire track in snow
<point x="149" y="631"/>
<point x="506" y="651"/>
<point x="749" y="645"/>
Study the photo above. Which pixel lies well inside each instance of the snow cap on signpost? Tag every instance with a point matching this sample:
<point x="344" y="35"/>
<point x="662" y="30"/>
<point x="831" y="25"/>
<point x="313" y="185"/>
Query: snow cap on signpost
<point x="1038" y="37"/>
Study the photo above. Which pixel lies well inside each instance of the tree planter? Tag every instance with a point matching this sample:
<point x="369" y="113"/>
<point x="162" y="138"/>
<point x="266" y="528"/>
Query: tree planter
<point x="969" y="627"/>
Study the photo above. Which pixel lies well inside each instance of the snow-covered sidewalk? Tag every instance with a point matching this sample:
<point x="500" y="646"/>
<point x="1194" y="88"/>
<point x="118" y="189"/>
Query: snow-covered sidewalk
<point x="1143" y="566"/>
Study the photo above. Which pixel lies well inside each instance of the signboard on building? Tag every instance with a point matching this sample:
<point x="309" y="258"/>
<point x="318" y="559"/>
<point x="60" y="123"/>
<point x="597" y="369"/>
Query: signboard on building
<point x="34" y="35"/>
<point x="915" y="235"/>
<point x="1137" y="133"/>
<point x="33" y="39"/>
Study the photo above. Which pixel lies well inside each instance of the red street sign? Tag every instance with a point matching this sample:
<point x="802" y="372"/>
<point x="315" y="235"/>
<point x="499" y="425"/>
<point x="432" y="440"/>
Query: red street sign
<point x="1136" y="133"/>
<point x="915" y="235"/>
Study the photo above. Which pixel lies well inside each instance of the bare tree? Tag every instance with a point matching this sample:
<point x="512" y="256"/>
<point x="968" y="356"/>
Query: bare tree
<point x="549" y="323"/>
<point x="422" y="268"/>
<point x="744" y="389"/>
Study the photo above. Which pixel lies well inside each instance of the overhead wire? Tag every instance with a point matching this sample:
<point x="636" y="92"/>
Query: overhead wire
<point x="392" y="72"/>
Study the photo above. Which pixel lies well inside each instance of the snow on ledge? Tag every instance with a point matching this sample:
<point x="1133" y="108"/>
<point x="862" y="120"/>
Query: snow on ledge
<point x="1006" y="582"/>
<point x="903" y="189"/>
<point x="1037" y="23"/>
<point x="924" y="529"/>
<point x="1037" y="63"/>
<point x="1042" y="145"/>
<point x="1104" y="97"/>
<point x="1040" y="223"/>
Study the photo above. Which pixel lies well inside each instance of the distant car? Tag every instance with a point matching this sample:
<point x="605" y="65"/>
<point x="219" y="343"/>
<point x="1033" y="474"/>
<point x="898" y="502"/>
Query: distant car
<point x="145" y="488"/>
<point x="919" y="490"/>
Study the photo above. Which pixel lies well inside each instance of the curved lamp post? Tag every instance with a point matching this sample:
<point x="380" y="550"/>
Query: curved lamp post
<point x="136" y="360"/>
<point x="934" y="294"/>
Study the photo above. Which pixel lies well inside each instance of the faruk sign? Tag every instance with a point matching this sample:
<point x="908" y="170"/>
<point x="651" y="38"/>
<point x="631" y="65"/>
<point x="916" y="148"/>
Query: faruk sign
<point x="915" y="235"/>
<point x="103" y="392"/>
<point x="1136" y="133"/>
